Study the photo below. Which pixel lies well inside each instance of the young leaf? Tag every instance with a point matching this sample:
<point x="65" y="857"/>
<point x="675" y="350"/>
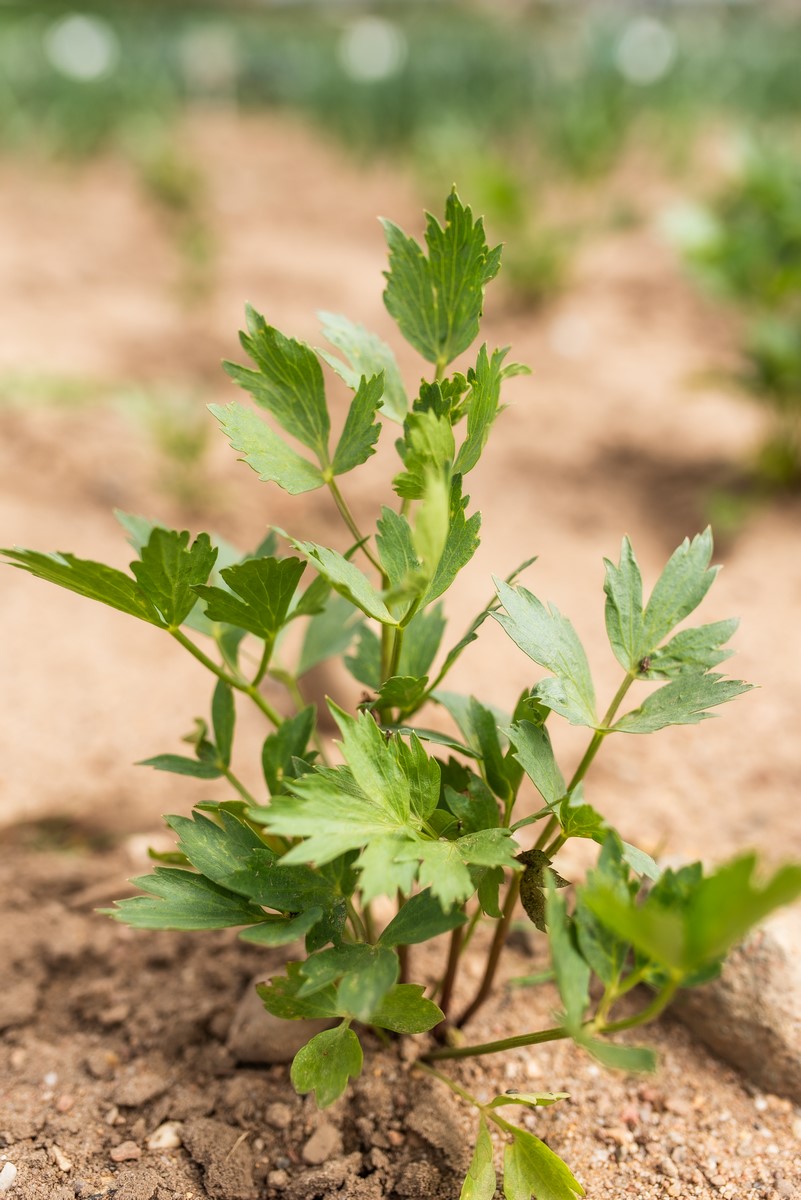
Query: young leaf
<point x="550" y="640"/>
<point x="533" y="750"/>
<point x="460" y="545"/>
<point x="421" y="918"/>
<point x="223" y="719"/>
<point x="264" y="451"/>
<point x="183" y="900"/>
<point x="404" y="1009"/>
<point x="377" y="771"/>
<point x="623" y="587"/>
<point x="530" y="1168"/>
<point x="396" y="551"/>
<point x="693" y="650"/>
<point x="380" y="873"/>
<point x="401" y="691"/>
<point x="260" y="596"/>
<point x="217" y="848"/>
<point x="482" y="401"/>
<point x="444" y="865"/>
<point x="347" y="579"/>
<point x="91" y="579"/>
<point x="326" y="1063"/>
<point x="422" y="775"/>
<point x="427" y="445"/>
<point x="177" y="764"/>
<point x="480" y="1183"/>
<point x="679" y="590"/>
<point x="288" y="383"/>
<point x="289" y="741"/>
<point x="169" y="569"/>
<point x="528" y="1099"/>
<point x="361" y="430"/>
<point x="437" y="301"/>
<point x="367" y="355"/>
<point x="684" y="701"/>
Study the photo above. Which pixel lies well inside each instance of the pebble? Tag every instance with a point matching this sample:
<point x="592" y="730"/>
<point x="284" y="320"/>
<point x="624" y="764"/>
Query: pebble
<point x="278" y="1179"/>
<point x="166" y="1137"/>
<point x="102" y="1064"/>
<point x="60" y="1159"/>
<point x="278" y="1115"/>
<point x="395" y="1138"/>
<point x="65" y="1103"/>
<point x="8" y="1177"/>
<point x="18" y="1058"/>
<point x="125" y="1152"/>
<point x="50" y="1079"/>
<point x="112" y="1116"/>
<point x="324" y="1143"/>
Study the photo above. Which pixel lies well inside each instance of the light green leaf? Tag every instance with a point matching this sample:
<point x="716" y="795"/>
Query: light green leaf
<point x="421" y="918"/>
<point x="480" y="1183"/>
<point x="578" y="819"/>
<point x="437" y="301"/>
<point x="432" y="524"/>
<point x="260" y="596"/>
<point x="401" y="691"/>
<point x="326" y="1063"/>
<point x="361" y="431"/>
<point x="329" y="633"/>
<point x="380" y="872"/>
<point x="91" y="579"/>
<point x="484" y="735"/>
<point x="550" y="640"/>
<point x="405" y="1010"/>
<point x="528" y="1099"/>
<point x="169" y="569"/>
<point x="223" y="719"/>
<point x="534" y="752"/>
<point x="288" y="383"/>
<point x="217" y="848"/>
<point x="460" y="546"/>
<point x="377" y="768"/>
<point x="396" y="551"/>
<point x="264" y="451"/>
<point x="532" y="1169"/>
<point x="366" y="355"/>
<point x="572" y="972"/>
<point x="427" y="446"/>
<point x="634" y="1059"/>
<point x="421" y="642"/>
<point x="422" y="775"/>
<point x="693" y="650"/>
<point x="347" y="579"/>
<point x="624" y="614"/>
<point x="183" y="900"/>
<point x="679" y="590"/>
<point x="365" y="663"/>
<point x="684" y="701"/>
<point x="177" y="764"/>
<point x="482" y="407"/>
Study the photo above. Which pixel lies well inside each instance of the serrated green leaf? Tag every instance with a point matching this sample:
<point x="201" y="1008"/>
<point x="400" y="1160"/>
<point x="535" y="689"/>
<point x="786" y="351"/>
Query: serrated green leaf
<point x="223" y="719"/>
<point x="260" y="596"/>
<point x="380" y="873"/>
<point x="480" y="1182"/>
<point x="218" y="849"/>
<point x="578" y="819"/>
<point x="478" y="809"/>
<point x="550" y="640"/>
<point x="183" y="900"/>
<point x="422" y="917"/>
<point x="366" y="974"/>
<point x="270" y="882"/>
<point x="437" y="301"/>
<point x="378" y="769"/>
<point x="482" y="407"/>
<point x="693" y="650"/>
<point x="684" y="701"/>
<point x="405" y="1010"/>
<point x="358" y="438"/>
<point x="367" y="355"/>
<point x="347" y="579"/>
<point x="460" y="546"/>
<point x="329" y="633"/>
<point x="169" y="568"/>
<point x="534" y="752"/>
<point x="679" y="590"/>
<point x="91" y="579"/>
<point x="427" y="445"/>
<point x="572" y="972"/>
<point x="326" y="1063"/>
<point x="282" y="931"/>
<point x="624" y="613"/>
<point x="397" y="553"/>
<point x="264" y="451"/>
<point x="279" y="996"/>
<point x="421" y="773"/>
<point x="177" y="764"/>
<point x="288" y="382"/>
<point x="401" y="691"/>
<point x="531" y="1169"/>
<point x="444" y="865"/>
<point x="435" y="737"/>
<point x="289" y="741"/>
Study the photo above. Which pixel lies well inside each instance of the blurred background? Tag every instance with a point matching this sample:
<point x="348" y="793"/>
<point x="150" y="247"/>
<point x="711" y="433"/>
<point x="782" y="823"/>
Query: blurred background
<point x="161" y="164"/>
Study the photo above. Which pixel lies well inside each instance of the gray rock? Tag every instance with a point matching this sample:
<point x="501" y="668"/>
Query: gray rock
<point x="323" y="1145"/>
<point x="751" y="1016"/>
<point x="256" y="1036"/>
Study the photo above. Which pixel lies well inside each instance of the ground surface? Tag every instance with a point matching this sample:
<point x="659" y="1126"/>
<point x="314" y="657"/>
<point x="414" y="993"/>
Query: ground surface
<point x="621" y="428"/>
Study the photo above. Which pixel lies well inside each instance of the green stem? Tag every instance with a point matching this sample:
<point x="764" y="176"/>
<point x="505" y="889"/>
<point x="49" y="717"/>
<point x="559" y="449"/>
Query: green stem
<point x="348" y="518"/>
<point x="493" y="959"/>
<point x="649" y="1013"/>
<point x="239" y="786"/>
<point x="524" y="1039"/>
<point x="264" y="664"/>
<point x="241" y="685"/>
<point x="357" y="923"/>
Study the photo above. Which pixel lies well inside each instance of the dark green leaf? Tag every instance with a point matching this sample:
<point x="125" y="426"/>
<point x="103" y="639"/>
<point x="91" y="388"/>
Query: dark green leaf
<point x="437" y="301"/>
<point x="91" y="579"/>
<point x="264" y="589"/>
<point x="326" y="1063"/>
<point x="421" y="917"/>
<point x="480" y="1183"/>
<point x="396" y="551"/>
<point x="367" y="973"/>
<point x="219" y="849"/>
<point x="578" y="819"/>
<point x="550" y="640"/>
<point x="361" y="429"/>
<point x="169" y="569"/>
<point x="365" y="664"/>
<point x="634" y="1059"/>
<point x="289" y="741"/>
<point x="476" y="810"/>
<point x="176" y="764"/>
<point x="282" y="931"/>
<point x="684" y="701"/>
<point x="264" y="451"/>
<point x="280" y="997"/>
<point x="223" y="718"/>
<point x="484" y="730"/>
<point x="401" y="692"/>
<point x="288" y="383"/>
<point x="286" y="888"/>
<point x="572" y="972"/>
<point x="530" y="1168"/>
<point x="405" y="1010"/>
<point x="366" y="355"/>
<point x="421" y="642"/>
<point x="489" y="886"/>
<point x="183" y="900"/>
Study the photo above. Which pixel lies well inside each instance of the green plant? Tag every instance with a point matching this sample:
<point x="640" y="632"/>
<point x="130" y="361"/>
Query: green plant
<point x="428" y="819"/>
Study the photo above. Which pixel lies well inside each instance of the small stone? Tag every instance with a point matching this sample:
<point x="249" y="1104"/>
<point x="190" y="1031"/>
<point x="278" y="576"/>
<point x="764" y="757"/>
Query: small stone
<point x="102" y="1064"/>
<point x="50" y="1079"/>
<point x="325" y="1143"/>
<point x="669" y="1168"/>
<point x="65" y="1103"/>
<point x="8" y="1177"/>
<point x="166" y="1137"/>
<point x="114" y="1015"/>
<point x="112" y="1116"/>
<point x="796" y="1127"/>
<point x="395" y="1138"/>
<point x="277" y="1179"/>
<point x="278" y="1115"/>
<point x="18" y="1058"/>
<point x="60" y="1159"/>
<point x="125" y="1152"/>
<point x="140" y="1087"/>
<point x="675" y="1189"/>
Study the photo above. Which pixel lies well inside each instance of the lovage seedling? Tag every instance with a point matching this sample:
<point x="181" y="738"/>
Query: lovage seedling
<point x="430" y="820"/>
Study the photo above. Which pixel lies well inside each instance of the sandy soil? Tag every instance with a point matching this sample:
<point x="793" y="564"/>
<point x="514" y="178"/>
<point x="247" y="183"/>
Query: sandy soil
<point x="620" y="429"/>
